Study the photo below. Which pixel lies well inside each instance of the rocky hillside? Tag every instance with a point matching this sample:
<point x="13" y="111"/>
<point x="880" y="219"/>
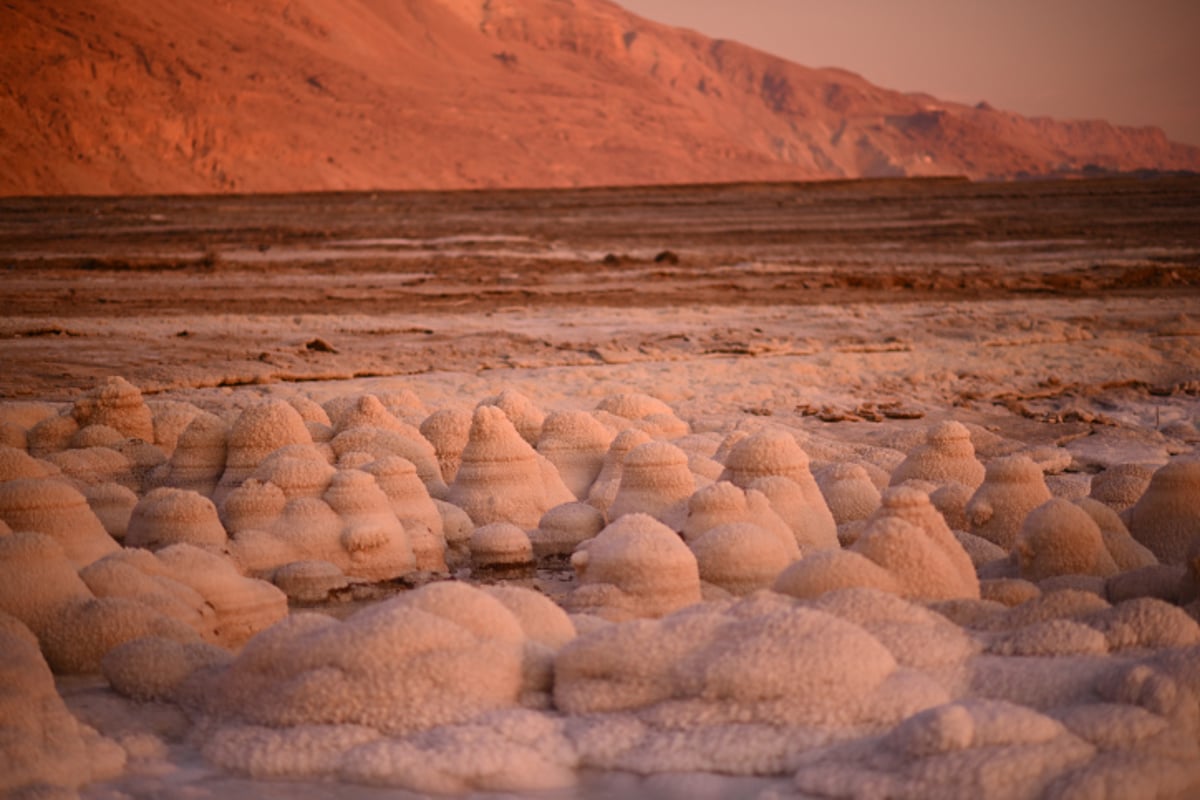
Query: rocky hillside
<point x="284" y="95"/>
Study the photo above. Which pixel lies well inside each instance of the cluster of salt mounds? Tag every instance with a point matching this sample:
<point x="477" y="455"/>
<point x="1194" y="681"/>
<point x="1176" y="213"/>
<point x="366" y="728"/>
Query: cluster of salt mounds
<point x="876" y="622"/>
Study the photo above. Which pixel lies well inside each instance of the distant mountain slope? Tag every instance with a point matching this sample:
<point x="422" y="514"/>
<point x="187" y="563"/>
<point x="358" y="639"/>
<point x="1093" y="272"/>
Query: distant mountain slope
<point x="133" y="96"/>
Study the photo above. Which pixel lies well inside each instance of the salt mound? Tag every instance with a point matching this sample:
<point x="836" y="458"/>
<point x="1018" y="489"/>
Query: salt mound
<point x="51" y="435"/>
<point x="374" y="539"/>
<point x="947" y="456"/>
<point x="1127" y="552"/>
<point x="199" y="456"/>
<point x="39" y="581"/>
<point x="740" y="557"/>
<point x="367" y="411"/>
<point x="309" y="581"/>
<point x="635" y="567"/>
<point x="576" y="444"/>
<point x="96" y="436"/>
<point x="1012" y="487"/>
<point x="254" y="505"/>
<point x="117" y="404"/>
<point x="298" y="470"/>
<point x="1166" y="519"/>
<point x="169" y="516"/>
<point x="957" y="576"/>
<point x="809" y="524"/>
<point x="1060" y="538"/>
<point x="55" y="508"/>
<point x="94" y="466"/>
<point x="1121" y="485"/>
<point x="921" y="568"/>
<point x="723" y="503"/>
<point x="830" y="570"/>
<point x="138" y="575"/>
<point x="113" y="505"/>
<point x="524" y="414"/>
<point x="15" y="463"/>
<point x="41" y="743"/>
<point x="258" y="432"/>
<point x="655" y="480"/>
<point x="152" y="668"/>
<point x="563" y="528"/>
<point x="849" y="492"/>
<point x="634" y="406"/>
<point x="608" y="482"/>
<point x="171" y="418"/>
<point x="415" y="509"/>
<point x="448" y="430"/>
<point x="502" y="478"/>
<point x="501" y="550"/>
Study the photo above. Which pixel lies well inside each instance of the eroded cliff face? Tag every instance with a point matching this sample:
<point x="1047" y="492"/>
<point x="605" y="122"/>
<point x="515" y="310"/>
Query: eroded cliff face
<point x="272" y="95"/>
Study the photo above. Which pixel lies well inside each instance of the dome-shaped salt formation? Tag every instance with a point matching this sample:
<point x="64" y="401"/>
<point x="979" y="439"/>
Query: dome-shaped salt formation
<point x="373" y="537"/>
<point x="1121" y="485"/>
<point x="257" y="432"/>
<point x="740" y="557"/>
<point x="93" y="466"/>
<point x="1012" y="487"/>
<point x="254" y="505"/>
<point x="152" y="668"/>
<point x="389" y="666"/>
<point x="771" y="453"/>
<point x="12" y="435"/>
<point x="309" y="581"/>
<point x="576" y="444"/>
<point x="525" y="416"/>
<point x="413" y="506"/>
<point x="366" y="411"/>
<point x="1126" y="551"/>
<point x="951" y="500"/>
<point x="810" y="524"/>
<point x="1060" y="538"/>
<point x="608" y="481"/>
<point x="39" y="582"/>
<point x="501" y="551"/>
<point x="502" y="478"/>
<point x="171" y="418"/>
<point x="118" y="404"/>
<point x="457" y="528"/>
<point x="563" y="528"/>
<point x="44" y="750"/>
<point x="51" y="435"/>
<point x="169" y="516"/>
<point x="722" y="503"/>
<point x="848" y="491"/>
<point x="310" y="411"/>
<point x="244" y="606"/>
<point x="947" y="456"/>
<point x="113" y="505"/>
<point x="635" y="567"/>
<point x="1167" y="517"/>
<point x="378" y="443"/>
<point x="634" y="406"/>
<point x="199" y="456"/>
<point x="298" y="470"/>
<point x="828" y="570"/>
<point x="448" y="430"/>
<point x="16" y="464"/>
<point x="655" y="480"/>
<point x="55" y="508"/>
<point x="136" y="574"/>
<point x="950" y="572"/>
<point x="96" y="436"/>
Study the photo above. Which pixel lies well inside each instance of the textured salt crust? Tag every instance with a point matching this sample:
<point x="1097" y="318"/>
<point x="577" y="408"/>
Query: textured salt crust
<point x="984" y="631"/>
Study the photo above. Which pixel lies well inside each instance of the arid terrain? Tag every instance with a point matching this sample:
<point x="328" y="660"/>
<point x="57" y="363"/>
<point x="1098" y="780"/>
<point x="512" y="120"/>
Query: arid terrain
<point x="1053" y="325"/>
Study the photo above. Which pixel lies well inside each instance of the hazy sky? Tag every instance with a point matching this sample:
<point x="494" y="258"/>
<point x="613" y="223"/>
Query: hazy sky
<point x="1133" y="62"/>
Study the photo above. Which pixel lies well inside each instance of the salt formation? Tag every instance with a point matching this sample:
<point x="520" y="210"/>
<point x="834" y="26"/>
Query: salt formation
<point x="1127" y="552"/>
<point x="1012" y="487"/>
<point x="167" y="516"/>
<point x="298" y="471"/>
<point x="723" y="503"/>
<point x="502" y="478"/>
<point x="259" y="431"/>
<point x="415" y="509"/>
<point x="1060" y="538"/>
<point x="608" y="482"/>
<point x="113" y="505"/>
<point x="740" y="557"/>
<point x="947" y="456"/>
<point x="643" y="412"/>
<point x="51" y="435"/>
<point x="525" y="416"/>
<point x="309" y="581"/>
<point x="55" y="508"/>
<point x="576" y="444"/>
<point x="563" y="528"/>
<point x="635" y="567"/>
<point x="1166" y="519"/>
<point x="16" y="463"/>
<point x="1121" y="485"/>
<point x="829" y="570"/>
<point x="171" y="418"/>
<point x="448" y="430"/>
<point x="118" y="404"/>
<point x="44" y="750"/>
<point x="372" y="536"/>
<point x="96" y="436"/>
<point x="655" y="480"/>
<point x="501" y="550"/>
<point x="199" y="456"/>
<point x="774" y="453"/>
<point x="793" y="505"/>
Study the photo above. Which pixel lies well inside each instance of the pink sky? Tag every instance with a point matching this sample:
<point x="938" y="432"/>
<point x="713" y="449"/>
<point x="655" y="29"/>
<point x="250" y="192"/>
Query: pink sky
<point x="1132" y="62"/>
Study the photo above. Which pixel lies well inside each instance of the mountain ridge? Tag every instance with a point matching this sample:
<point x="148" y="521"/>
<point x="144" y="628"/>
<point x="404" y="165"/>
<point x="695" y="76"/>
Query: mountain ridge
<point x="307" y="95"/>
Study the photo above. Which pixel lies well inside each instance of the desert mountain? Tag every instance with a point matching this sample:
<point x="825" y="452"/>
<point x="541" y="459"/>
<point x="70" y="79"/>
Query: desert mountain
<point x="134" y="96"/>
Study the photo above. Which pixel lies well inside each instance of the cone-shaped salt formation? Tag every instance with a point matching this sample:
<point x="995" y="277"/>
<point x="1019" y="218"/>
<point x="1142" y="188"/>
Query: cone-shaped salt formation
<point x="1060" y="538"/>
<point x="655" y="480"/>
<point x="298" y="470"/>
<point x="501" y="551"/>
<point x="16" y="464"/>
<point x="118" y="404"/>
<point x="367" y="411"/>
<point x="829" y="570"/>
<point x="409" y="445"/>
<point x="740" y="557"/>
<point x="259" y="431"/>
<point x="51" y="435"/>
<point x="413" y="506"/>
<point x="93" y="466"/>
<point x="448" y="430"/>
<point x="848" y="491"/>
<point x="608" y="481"/>
<point x="112" y="504"/>
<point x="811" y="525"/>
<point x="500" y="478"/>
<point x="39" y="582"/>
<point x="254" y="505"/>
<point x="525" y="416"/>
<point x="1121" y="485"/>
<point x="169" y="516"/>
<point x="96" y="436"/>
<point x="1167" y="517"/>
<point x="1012" y="487"/>
<point x="377" y="544"/>
<point x="947" y="456"/>
<point x="1126" y="552"/>
<point x="635" y="567"/>
<point x="723" y="503"/>
<point x="55" y="508"/>
<point x="773" y="452"/>
<point x="137" y="574"/>
<point x="171" y="419"/>
<point x="576" y="444"/>
<point x="199" y="456"/>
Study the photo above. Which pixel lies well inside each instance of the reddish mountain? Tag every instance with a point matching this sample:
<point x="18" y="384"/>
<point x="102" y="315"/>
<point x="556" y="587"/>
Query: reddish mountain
<point x="132" y="96"/>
